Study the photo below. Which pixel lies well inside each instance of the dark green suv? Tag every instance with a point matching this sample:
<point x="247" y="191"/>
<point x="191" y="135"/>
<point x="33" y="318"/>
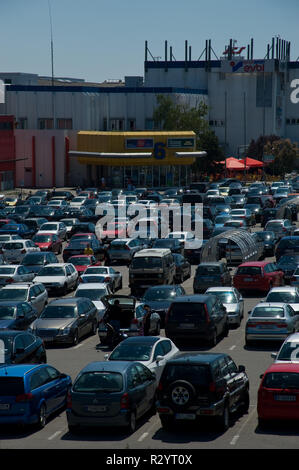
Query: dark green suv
<point x="197" y="385"/>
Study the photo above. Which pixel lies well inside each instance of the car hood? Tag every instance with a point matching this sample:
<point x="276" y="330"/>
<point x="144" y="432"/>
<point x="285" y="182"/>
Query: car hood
<point x="50" y="279"/>
<point x="231" y="308"/>
<point x="52" y="322"/>
<point x="295" y="307"/>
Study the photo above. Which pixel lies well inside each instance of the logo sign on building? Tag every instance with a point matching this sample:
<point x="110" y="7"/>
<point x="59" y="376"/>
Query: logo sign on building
<point x="139" y="143"/>
<point x="246" y="66"/>
<point x="180" y="143"/>
<point x="235" y="50"/>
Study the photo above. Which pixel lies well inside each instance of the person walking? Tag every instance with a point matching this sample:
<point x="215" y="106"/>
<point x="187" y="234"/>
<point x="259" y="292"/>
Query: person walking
<point x="146" y="320"/>
<point x="88" y="250"/>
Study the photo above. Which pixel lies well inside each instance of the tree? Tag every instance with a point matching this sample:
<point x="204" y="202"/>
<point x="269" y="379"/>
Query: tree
<point x="256" y="147"/>
<point x="286" y="155"/>
<point x="208" y="142"/>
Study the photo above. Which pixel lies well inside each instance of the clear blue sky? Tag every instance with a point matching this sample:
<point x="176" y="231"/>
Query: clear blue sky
<point x="104" y="39"/>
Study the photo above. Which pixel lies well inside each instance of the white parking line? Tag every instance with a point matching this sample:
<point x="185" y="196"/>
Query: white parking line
<point x="234" y="440"/>
<point x="78" y="346"/>
<point x="54" y="435"/>
<point x="232" y="347"/>
<point x="143" y="436"/>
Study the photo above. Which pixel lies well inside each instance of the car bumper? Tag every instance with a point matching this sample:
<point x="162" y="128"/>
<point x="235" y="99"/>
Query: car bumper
<point x="121" y="419"/>
<point x="19" y="419"/>
<point x="267" y="336"/>
<point x="216" y="409"/>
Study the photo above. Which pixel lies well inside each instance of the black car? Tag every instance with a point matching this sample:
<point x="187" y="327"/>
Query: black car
<point x="159" y="298"/>
<point x="270" y="241"/>
<point x="21" y="347"/>
<point x="196" y="319"/>
<point x="287" y="246"/>
<point x="16" y="315"/>
<point x="288" y="264"/>
<point x="198" y="386"/>
<point x="209" y="212"/>
<point x="275" y="213"/>
<point x="256" y="210"/>
<point x="66" y="320"/>
<point x="182" y="268"/>
<point x="77" y="248"/>
<point x="35" y="261"/>
<point x="35" y="223"/>
<point x="82" y="227"/>
<point x="174" y="244"/>
<point x="49" y="213"/>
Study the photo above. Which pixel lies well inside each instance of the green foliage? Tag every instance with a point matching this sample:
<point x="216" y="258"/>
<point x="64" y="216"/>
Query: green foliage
<point x="286" y="154"/>
<point x="256" y="147"/>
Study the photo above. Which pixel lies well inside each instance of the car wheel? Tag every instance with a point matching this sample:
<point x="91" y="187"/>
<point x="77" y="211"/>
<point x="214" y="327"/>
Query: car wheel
<point x="213" y="340"/>
<point x="223" y="420"/>
<point x="245" y="400"/>
<point x="181" y="393"/>
<point x="132" y="422"/>
<point x="42" y="416"/>
<point x="75" y="338"/>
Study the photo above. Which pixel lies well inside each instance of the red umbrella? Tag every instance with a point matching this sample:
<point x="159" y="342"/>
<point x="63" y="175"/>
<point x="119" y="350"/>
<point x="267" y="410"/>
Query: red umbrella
<point x="232" y="163"/>
<point x="252" y="163"/>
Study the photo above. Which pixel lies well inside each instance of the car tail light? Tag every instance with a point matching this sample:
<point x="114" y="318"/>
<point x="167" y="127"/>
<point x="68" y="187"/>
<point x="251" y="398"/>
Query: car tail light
<point x="124" y="402"/>
<point x="252" y="325"/>
<point x="107" y="279"/>
<point x="23" y="252"/>
<point x="281" y="325"/>
<point x="69" y="400"/>
<point x="9" y="280"/>
<point x="24" y="397"/>
<point x="212" y="387"/>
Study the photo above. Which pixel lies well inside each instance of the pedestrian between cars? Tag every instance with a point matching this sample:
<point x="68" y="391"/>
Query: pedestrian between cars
<point x="113" y="315"/>
<point x="146" y="320"/>
<point x="88" y="250"/>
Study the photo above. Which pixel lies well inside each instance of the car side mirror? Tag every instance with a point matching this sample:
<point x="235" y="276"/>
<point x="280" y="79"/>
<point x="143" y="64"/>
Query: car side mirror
<point x="106" y="357"/>
<point x="249" y="312"/>
<point x="159" y="358"/>
<point x="274" y="355"/>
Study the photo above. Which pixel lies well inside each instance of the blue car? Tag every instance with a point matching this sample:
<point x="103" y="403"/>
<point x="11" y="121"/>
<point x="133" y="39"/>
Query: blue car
<point x="17" y="229"/>
<point x="29" y="393"/>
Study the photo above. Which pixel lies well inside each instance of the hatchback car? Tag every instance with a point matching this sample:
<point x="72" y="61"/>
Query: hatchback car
<point x="59" y="277"/>
<point x="66" y="321"/>
<point x="113" y="277"/>
<point x="15" y="315"/>
<point x="159" y="298"/>
<point x="20" y="347"/>
<point x="270" y="322"/>
<point x="211" y="274"/>
<point x="286" y="294"/>
<point x="257" y="276"/>
<point x="198" y="386"/>
<point x="14" y="273"/>
<point x="29" y="394"/>
<point x="281" y="227"/>
<point x="14" y="251"/>
<point x="48" y="242"/>
<point x="278" y="393"/>
<point x="32" y="292"/>
<point x="34" y="262"/>
<point x="111" y="393"/>
<point x="152" y="351"/>
<point x="197" y="319"/>
<point x="232" y="301"/>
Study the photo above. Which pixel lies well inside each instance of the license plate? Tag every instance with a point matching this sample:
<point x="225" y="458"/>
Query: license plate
<point x="248" y="279"/>
<point x="96" y="409"/>
<point x="285" y="397"/>
<point x="189" y="416"/>
<point x="187" y="325"/>
<point x="4" y="406"/>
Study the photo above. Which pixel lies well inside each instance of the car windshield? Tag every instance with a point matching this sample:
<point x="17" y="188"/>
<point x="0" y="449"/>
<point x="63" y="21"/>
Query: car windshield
<point x="84" y="261"/>
<point x="146" y="262"/>
<point x="92" y="278"/>
<point x="102" y="381"/>
<point x="225" y="297"/>
<point x="198" y="374"/>
<point x="42" y="238"/>
<point x="285" y="297"/>
<point x="281" y="380"/>
<point x="7" y="312"/>
<point x="52" y="271"/>
<point x="132" y="352"/>
<point x="289" y="351"/>
<point x="7" y="270"/>
<point x="13" y="294"/>
<point x="270" y="312"/>
<point x="97" y="270"/>
<point x="59" y="311"/>
<point x="249" y="270"/>
<point x="92" y="294"/>
<point x="159" y="294"/>
<point x="207" y="270"/>
<point x="49" y="227"/>
<point x="33" y="259"/>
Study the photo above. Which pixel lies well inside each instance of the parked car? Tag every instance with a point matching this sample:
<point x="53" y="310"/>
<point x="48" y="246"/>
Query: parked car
<point x="16" y="315"/>
<point x="278" y="393"/>
<point x="211" y="274"/>
<point x="159" y="298"/>
<point x="48" y="242"/>
<point x="14" y="273"/>
<point x="194" y="386"/>
<point x="70" y="223"/>
<point x="123" y="250"/>
<point x="281" y="227"/>
<point x="196" y="319"/>
<point x="174" y="244"/>
<point x="272" y="321"/>
<point x="8" y="238"/>
<point x="58" y="277"/>
<point x="77" y="247"/>
<point x="244" y="214"/>
<point x="32" y="292"/>
<point x="286" y="294"/>
<point x="152" y="351"/>
<point x="131" y="322"/>
<point x="114" y="278"/>
<point x="29" y="394"/>
<point x="66" y="321"/>
<point x="14" y="251"/>
<point x="126" y="387"/>
<point x="17" y="229"/>
<point x="57" y="228"/>
<point x="289" y="350"/>
<point x="81" y="262"/>
<point x="182" y="268"/>
<point x="232" y="301"/>
<point x="20" y="347"/>
<point x="256" y="209"/>
<point x="35" y="222"/>
<point x="269" y="241"/>
<point x="34" y="262"/>
<point x="287" y="246"/>
<point x="288" y="264"/>
<point x="94" y="291"/>
<point x="257" y="276"/>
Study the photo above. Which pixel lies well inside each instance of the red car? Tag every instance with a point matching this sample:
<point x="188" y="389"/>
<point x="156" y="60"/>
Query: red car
<point x="258" y="276"/>
<point x="48" y="242"/>
<point x="81" y="262"/>
<point x="278" y="394"/>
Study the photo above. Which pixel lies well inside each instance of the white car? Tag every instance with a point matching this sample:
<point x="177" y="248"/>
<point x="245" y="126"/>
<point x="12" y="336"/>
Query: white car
<point x="232" y="301"/>
<point x="113" y="277"/>
<point x="14" y="251"/>
<point x="69" y="223"/>
<point x="35" y="293"/>
<point x="152" y="351"/>
<point x="59" y="277"/>
<point x="61" y="203"/>
<point x="78" y="201"/>
<point x="14" y="273"/>
<point x="286" y="294"/>
<point x="94" y="292"/>
<point x="58" y="228"/>
<point x="289" y="350"/>
<point x="182" y="236"/>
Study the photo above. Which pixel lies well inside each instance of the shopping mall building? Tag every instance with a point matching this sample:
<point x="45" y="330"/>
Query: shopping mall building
<point x="58" y="132"/>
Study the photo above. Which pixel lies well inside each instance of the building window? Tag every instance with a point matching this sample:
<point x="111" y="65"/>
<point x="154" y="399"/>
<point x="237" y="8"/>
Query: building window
<point x="64" y="123"/>
<point x="45" y="123"/>
<point x="117" y="124"/>
<point x="22" y="123"/>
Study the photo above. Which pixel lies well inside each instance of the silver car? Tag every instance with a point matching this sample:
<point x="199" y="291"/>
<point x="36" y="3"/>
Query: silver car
<point x="273" y="321"/>
<point x="14" y="273"/>
<point x="285" y="294"/>
<point x="114" y="277"/>
<point x="35" y="294"/>
<point x="124" y="249"/>
<point x="232" y="301"/>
